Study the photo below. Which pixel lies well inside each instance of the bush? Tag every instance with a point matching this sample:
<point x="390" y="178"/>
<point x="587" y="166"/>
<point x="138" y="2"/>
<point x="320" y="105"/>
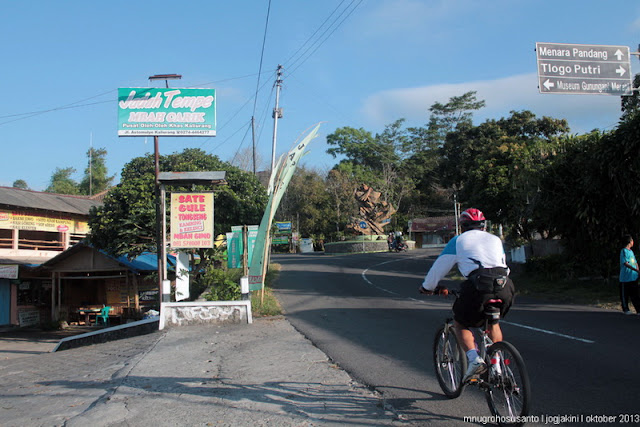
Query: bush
<point x="551" y="267"/>
<point x="223" y="285"/>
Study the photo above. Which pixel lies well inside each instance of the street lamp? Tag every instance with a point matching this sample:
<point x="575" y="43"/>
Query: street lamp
<point x="166" y="78"/>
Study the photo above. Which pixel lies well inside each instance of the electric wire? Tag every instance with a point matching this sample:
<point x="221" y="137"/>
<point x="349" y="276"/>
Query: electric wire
<point x="314" y="33"/>
<point x="233" y="116"/>
<point x="264" y="41"/>
<point x="293" y="67"/>
<point x="241" y="143"/>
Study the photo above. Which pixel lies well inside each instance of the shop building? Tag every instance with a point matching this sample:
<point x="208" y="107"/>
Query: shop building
<point x="432" y="231"/>
<point x="34" y="228"/>
<point x="84" y="280"/>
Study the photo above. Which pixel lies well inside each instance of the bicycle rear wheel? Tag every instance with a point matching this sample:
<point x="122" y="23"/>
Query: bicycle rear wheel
<point x="509" y="391"/>
<point x="449" y="361"/>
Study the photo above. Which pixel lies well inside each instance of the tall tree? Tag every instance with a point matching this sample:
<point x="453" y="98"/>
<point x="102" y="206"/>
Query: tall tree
<point x="631" y="104"/>
<point x="497" y="165"/>
<point x="21" y="184"/>
<point x="589" y="196"/>
<point x="306" y="203"/>
<point x="62" y="183"/>
<point x="341" y="188"/>
<point x="422" y="146"/>
<point x="125" y="224"/>
<point x="95" y="177"/>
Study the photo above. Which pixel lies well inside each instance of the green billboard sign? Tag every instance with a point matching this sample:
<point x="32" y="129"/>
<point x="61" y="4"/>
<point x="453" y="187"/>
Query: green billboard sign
<point x="168" y="112"/>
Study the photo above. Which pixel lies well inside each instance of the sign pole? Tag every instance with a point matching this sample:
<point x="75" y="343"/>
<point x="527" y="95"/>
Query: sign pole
<point x="161" y="212"/>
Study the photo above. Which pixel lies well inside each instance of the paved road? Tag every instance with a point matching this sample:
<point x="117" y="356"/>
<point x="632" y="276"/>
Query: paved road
<point x="364" y="312"/>
<point x="263" y="374"/>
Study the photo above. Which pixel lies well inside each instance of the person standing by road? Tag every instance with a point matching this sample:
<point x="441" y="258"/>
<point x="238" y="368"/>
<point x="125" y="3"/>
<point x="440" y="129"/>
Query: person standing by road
<point x="628" y="276"/>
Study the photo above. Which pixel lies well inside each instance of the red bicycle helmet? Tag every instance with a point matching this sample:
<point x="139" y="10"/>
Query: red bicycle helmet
<point x="472" y="218"/>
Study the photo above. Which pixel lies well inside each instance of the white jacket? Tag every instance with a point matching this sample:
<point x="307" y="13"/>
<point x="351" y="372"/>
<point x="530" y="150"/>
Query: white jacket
<point x="470" y="250"/>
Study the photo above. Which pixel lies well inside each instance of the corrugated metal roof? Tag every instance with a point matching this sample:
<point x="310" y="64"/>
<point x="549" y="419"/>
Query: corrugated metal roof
<point x="146" y="262"/>
<point x="16" y="198"/>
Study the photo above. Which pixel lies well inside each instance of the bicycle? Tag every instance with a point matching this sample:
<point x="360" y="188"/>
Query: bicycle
<point x="505" y="383"/>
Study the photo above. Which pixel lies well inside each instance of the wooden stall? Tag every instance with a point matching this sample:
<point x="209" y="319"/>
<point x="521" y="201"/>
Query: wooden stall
<point x="84" y="280"/>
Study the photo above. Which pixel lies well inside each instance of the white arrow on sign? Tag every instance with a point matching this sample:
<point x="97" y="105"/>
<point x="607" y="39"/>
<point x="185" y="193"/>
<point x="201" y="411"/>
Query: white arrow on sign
<point x="618" y="54"/>
<point x="621" y="71"/>
<point x="548" y="85"/>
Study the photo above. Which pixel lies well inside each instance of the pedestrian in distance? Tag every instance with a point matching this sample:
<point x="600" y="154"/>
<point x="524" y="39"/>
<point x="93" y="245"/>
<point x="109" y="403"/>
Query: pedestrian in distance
<point x="628" y="276"/>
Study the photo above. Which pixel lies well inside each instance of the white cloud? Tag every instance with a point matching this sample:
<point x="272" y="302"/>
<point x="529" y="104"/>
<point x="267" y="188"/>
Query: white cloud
<point x="635" y="25"/>
<point x="414" y="18"/>
<point x="519" y="92"/>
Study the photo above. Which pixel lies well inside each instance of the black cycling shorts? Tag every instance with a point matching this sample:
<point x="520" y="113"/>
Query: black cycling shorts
<point x="468" y="310"/>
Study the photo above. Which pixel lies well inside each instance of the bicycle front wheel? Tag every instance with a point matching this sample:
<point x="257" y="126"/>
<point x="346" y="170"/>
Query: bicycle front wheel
<point x="449" y="361"/>
<point x="509" y="392"/>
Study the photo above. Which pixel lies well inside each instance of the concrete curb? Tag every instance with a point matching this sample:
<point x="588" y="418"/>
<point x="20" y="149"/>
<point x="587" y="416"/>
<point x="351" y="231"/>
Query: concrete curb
<point x="127" y="330"/>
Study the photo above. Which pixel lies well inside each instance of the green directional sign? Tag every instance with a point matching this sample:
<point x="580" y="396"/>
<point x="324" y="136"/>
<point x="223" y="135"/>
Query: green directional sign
<point x="583" y="69"/>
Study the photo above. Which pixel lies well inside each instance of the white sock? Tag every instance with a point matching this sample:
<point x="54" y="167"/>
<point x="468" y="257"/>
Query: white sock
<point x="472" y="354"/>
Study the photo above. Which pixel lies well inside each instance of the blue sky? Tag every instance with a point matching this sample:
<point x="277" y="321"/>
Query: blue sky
<point x="366" y="65"/>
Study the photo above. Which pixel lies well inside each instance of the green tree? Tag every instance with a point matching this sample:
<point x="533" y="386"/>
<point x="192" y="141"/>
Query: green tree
<point x="497" y="165"/>
<point x="62" y="183"/>
<point x="306" y="203"/>
<point x="374" y="160"/>
<point x="358" y="146"/>
<point x="95" y="178"/>
<point x="630" y="104"/>
<point x="422" y="148"/>
<point x="125" y="224"/>
<point x="21" y="184"/>
<point x="589" y="196"/>
<point x="343" y="207"/>
<point x="445" y="118"/>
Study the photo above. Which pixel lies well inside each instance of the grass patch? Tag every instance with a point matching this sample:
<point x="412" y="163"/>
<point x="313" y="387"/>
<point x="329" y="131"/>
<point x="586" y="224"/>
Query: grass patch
<point x="590" y="291"/>
<point x="559" y="288"/>
<point x="264" y="303"/>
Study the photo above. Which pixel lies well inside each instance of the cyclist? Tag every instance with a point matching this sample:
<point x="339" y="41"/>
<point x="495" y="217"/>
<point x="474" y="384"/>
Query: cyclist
<point x="480" y="258"/>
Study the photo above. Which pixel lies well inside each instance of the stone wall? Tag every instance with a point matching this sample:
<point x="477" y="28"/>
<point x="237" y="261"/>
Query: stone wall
<point x="208" y="312"/>
<point x="360" y="247"/>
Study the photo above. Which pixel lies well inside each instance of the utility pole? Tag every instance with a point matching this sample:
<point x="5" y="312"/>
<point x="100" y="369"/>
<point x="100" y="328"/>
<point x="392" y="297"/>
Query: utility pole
<point x="456" y="212"/>
<point x="164" y="295"/>
<point x="91" y="164"/>
<point x="277" y="114"/>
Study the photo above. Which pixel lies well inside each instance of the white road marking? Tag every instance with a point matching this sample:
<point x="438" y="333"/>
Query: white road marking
<point x="549" y="332"/>
<point x="364" y="277"/>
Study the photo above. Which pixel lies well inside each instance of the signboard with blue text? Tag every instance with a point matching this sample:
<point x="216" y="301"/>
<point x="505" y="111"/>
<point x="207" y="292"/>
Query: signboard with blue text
<point x="284" y="226"/>
<point x="166" y="112"/>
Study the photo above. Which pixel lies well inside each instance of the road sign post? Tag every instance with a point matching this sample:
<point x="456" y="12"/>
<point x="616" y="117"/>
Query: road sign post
<point x="583" y="69"/>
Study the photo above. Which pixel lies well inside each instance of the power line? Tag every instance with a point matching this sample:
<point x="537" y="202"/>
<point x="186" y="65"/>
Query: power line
<point x="293" y="68"/>
<point x="241" y="143"/>
<point x="233" y="116"/>
<point x="314" y="33"/>
<point x="264" y="40"/>
<point x="26" y="115"/>
<point x="37" y="113"/>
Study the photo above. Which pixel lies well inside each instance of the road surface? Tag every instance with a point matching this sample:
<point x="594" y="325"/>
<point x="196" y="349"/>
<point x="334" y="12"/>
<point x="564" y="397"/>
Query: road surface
<point x="365" y="313"/>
